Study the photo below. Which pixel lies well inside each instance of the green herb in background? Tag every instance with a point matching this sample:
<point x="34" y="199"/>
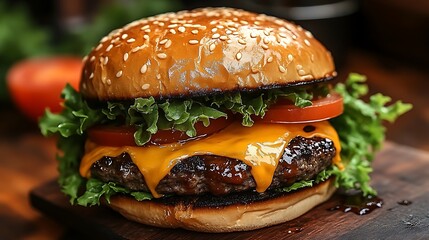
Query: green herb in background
<point x="112" y="16"/>
<point x="19" y="39"/>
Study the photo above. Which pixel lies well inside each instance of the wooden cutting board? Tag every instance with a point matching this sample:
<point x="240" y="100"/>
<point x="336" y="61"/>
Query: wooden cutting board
<point x="400" y="173"/>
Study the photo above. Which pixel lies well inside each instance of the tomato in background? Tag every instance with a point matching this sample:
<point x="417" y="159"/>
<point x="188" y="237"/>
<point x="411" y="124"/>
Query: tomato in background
<point x="36" y="84"/>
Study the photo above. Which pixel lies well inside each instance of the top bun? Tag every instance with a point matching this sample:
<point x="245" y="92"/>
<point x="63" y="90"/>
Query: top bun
<point x="202" y="51"/>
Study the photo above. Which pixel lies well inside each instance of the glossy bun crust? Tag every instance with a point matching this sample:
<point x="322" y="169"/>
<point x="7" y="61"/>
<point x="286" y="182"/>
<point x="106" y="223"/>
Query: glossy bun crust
<point x="229" y="218"/>
<point x="202" y="51"/>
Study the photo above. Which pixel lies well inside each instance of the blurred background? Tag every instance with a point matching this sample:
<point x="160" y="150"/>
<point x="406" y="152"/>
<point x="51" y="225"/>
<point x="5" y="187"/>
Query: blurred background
<point x="41" y="46"/>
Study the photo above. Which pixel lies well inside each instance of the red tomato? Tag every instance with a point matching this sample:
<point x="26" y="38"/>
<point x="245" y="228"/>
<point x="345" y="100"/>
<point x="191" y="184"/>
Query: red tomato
<point x="36" y="84"/>
<point x="124" y="136"/>
<point x="321" y="109"/>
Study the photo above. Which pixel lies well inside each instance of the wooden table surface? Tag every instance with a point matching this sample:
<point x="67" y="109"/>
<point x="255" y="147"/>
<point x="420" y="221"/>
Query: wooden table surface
<point x="27" y="159"/>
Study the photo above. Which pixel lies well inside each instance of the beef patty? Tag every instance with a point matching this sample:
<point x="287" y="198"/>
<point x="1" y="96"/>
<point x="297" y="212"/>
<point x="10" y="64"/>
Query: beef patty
<point x="303" y="159"/>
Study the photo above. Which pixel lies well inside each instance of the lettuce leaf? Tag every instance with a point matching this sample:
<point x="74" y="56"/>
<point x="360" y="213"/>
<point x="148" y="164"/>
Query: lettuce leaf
<point x="148" y="116"/>
<point x="361" y="131"/>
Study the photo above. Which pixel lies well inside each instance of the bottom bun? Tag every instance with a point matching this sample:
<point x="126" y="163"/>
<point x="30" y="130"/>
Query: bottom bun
<point x="241" y="215"/>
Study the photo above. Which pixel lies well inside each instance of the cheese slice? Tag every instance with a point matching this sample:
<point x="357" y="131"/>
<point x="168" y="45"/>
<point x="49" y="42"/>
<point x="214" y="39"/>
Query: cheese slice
<point x="259" y="146"/>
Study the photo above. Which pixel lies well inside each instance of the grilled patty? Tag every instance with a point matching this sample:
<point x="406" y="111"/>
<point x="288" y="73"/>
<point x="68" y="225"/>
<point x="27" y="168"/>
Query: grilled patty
<point x="303" y="159"/>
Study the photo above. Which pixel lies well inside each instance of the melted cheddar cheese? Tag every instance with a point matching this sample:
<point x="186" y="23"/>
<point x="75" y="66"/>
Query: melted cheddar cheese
<point x="259" y="146"/>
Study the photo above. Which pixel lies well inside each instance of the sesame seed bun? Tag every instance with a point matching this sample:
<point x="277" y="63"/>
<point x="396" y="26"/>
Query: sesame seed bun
<point x="241" y="214"/>
<point x="202" y="51"/>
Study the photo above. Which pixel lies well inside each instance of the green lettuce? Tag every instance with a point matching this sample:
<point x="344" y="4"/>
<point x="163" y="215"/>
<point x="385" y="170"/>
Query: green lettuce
<point x="148" y="116"/>
<point x="360" y="129"/>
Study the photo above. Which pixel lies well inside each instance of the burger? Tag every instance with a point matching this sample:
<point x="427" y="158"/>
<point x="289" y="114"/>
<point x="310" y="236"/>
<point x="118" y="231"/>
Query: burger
<point x="214" y="120"/>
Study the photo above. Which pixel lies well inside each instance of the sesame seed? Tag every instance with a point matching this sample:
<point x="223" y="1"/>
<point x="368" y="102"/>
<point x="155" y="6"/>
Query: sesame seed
<point x="115" y="40"/>
<point x="162" y="55"/>
<point x="146" y="37"/>
<point x="92" y="59"/>
<point x="283" y="35"/>
<point x="270" y="59"/>
<point x="308" y="34"/>
<point x="172" y="31"/>
<point x="158" y="76"/>
<point x="298" y="67"/>
<point x="143" y="69"/>
<point x="91" y="76"/>
<point x="163" y="41"/>
<point x="144" y="27"/>
<point x="119" y="74"/>
<point x="235" y="33"/>
<point x="216" y="35"/>
<point x="106" y="59"/>
<point x="229" y="41"/>
<point x="125" y="57"/>
<point x="266" y="40"/>
<point x="301" y="72"/>
<point x="104" y="39"/>
<point x="145" y="86"/>
<point x="223" y="37"/>
<point x="181" y="29"/>
<point x="131" y="40"/>
<point x="147" y="30"/>
<point x="282" y="69"/>
<point x="109" y="82"/>
<point x="109" y="47"/>
<point x="124" y="36"/>
<point x="257" y="22"/>
<point x="278" y="22"/>
<point x="220" y="26"/>
<point x="161" y="24"/>
<point x="238" y="56"/>
<point x="307" y="42"/>
<point x="193" y="41"/>
<point x="172" y="26"/>
<point x="264" y="46"/>
<point x="99" y="47"/>
<point x="299" y="28"/>
<point x="290" y="57"/>
<point x="136" y="49"/>
<point x="195" y="31"/>
<point x="241" y="41"/>
<point x="253" y="34"/>
<point x="212" y="47"/>
<point x="168" y="43"/>
<point x="294" y="36"/>
<point x="228" y="31"/>
<point x="213" y="22"/>
<point x="244" y="22"/>
<point x="214" y="30"/>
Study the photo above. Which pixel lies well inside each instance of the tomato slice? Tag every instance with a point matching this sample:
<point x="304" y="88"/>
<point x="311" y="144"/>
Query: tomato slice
<point x="321" y="109"/>
<point x="124" y="135"/>
<point x="36" y="84"/>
